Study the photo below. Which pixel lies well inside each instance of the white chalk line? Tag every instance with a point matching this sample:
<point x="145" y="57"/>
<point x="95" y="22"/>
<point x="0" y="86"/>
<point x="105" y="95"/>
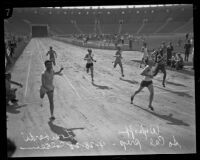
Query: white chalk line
<point x="27" y="78"/>
<point x="66" y="78"/>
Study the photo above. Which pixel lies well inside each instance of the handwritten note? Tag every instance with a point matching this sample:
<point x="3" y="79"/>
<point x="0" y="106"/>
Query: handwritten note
<point x="52" y="142"/>
<point x="151" y="134"/>
<point x="130" y="137"/>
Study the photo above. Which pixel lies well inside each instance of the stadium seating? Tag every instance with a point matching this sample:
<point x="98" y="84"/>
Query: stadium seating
<point x="61" y="21"/>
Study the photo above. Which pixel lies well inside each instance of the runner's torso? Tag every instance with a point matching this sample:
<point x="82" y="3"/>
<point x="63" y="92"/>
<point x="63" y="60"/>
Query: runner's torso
<point x="51" y="53"/>
<point x="89" y="58"/>
<point x="118" y="56"/>
<point x="149" y="72"/>
<point x="48" y="78"/>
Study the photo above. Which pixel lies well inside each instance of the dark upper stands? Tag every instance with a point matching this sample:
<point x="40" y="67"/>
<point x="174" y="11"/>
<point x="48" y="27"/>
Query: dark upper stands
<point x="60" y="21"/>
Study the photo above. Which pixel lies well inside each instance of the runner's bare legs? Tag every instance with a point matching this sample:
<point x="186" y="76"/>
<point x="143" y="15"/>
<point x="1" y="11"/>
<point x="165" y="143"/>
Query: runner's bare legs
<point x="50" y="97"/>
<point x="92" y="74"/>
<point x="136" y="92"/>
<point x="151" y="90"/>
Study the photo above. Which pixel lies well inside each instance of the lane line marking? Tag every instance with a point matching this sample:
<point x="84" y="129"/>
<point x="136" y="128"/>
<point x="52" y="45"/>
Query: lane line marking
<point x="66" y="78"/>
<point x="27" y="78"/>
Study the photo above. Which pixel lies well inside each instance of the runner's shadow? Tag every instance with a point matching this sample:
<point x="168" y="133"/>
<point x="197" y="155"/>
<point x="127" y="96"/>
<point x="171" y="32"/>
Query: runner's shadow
<point x="101" y="87"/>
<point x="172" y="83"/>
<point x="183" y="94"/>
<point x="171" y="120"/>
<point x="13" y="108"/>
<point x="129" y="81"/>
<point x="63" y="133"/>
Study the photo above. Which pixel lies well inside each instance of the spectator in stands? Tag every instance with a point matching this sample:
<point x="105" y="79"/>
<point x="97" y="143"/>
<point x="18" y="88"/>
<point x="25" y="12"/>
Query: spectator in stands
<point x="170" y="48"/>
<point x="10" y="92"/>
<point x="179" y="62"/>
<point x="187" y="48"/>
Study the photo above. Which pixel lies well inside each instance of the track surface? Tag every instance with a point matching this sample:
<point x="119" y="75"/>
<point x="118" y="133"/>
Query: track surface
<point x="98" y="119"/>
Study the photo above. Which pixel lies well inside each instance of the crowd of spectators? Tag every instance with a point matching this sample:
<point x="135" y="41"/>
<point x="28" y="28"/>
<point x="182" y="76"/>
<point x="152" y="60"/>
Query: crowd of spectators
<point x="110" y="39"/>
<point x="11" y="42"/>
<point x="175" y="60"/>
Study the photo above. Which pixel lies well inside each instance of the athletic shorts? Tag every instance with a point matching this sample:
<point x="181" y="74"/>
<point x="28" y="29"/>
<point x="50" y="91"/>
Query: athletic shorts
<point x="146" y="83"/>
<point x="117" y="62"/>
<point x="44" y="91"/>
<point x="88" y="65"/>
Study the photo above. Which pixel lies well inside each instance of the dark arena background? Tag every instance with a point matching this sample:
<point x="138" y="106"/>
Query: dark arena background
<point x="96" y="117"/>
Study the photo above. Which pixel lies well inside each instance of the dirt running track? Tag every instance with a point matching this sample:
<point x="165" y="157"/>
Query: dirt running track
<point x="98" y="119"/>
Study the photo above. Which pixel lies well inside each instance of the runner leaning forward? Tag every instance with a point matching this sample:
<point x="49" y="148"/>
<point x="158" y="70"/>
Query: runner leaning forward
<point x="89" y="64"/>
<point x="147" y="72"/>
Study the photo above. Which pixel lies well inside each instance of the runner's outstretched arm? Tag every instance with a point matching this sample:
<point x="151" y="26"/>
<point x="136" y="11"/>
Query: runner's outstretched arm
<point x="16" y="83"/>
<point x="58" y="73"/>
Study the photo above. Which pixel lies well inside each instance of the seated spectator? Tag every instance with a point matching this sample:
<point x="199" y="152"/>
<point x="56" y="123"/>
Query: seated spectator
<point x="10" y="92"/>
<point x="173" y="60"/>
<point x="179" y="62"/>
<point x="11" y="147"/>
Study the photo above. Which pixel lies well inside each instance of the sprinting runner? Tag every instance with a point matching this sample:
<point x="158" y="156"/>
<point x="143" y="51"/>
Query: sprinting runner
<point x="89" y="64"/>
<point x="52" y="55"/>
<point x="145" y="55"/>
<point x="160" y="65"/>
<point x="47" y="86"/>
<point x="118" y="56"/>
<point x="10" y="92"/>
<point x="146" y="82"/>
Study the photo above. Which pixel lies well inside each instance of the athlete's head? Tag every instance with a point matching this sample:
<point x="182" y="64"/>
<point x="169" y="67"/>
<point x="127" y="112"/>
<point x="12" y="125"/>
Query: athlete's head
<point x="89" y="51"/>
<point x="144" y="44"/>
<point x="118" y="48"/>
<point x="48" y="64"/>
<point x="50" y="47"/>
